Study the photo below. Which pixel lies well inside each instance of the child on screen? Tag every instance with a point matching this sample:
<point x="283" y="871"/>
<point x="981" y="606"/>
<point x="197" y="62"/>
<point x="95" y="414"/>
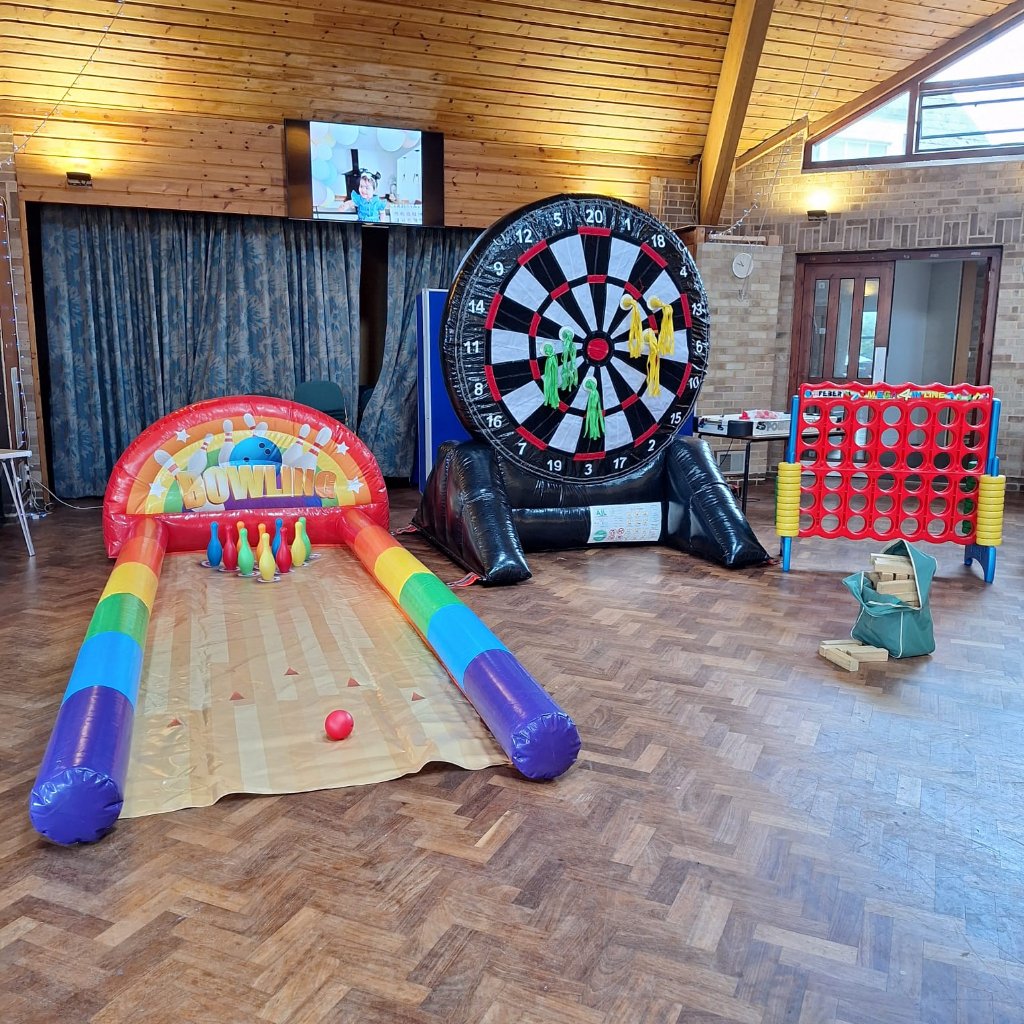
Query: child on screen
<point x="365" y="202"/>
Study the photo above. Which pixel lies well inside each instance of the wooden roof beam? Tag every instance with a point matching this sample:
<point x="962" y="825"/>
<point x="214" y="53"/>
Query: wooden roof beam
<point x="739" y="69"/>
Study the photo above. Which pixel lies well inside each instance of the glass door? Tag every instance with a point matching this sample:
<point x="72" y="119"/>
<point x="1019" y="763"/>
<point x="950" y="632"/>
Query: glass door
<point x="846" y="311"/>
<point x="920" y="315"/>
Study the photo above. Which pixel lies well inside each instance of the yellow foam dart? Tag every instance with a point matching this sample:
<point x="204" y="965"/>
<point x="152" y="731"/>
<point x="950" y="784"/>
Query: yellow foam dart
<point x="636" y="325"/>
<point x="653" y="363"/>
<point x="667" y="334"/>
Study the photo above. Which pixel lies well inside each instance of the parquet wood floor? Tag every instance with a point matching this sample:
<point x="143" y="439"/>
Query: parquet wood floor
<point x="751" y="835"/>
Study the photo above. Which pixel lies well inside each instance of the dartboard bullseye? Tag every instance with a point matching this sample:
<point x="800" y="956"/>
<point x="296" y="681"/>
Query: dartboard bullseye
<point x="576" y="337"/>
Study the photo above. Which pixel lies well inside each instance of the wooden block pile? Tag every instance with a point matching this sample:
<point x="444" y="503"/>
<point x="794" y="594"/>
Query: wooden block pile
<point x="894" y="574"/>
<point x="850" y="654"/>
<point x="889" y="574"/>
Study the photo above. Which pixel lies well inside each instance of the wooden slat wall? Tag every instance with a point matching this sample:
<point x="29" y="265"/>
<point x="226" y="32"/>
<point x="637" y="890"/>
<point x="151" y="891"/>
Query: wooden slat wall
<point x="183" y="104"/>
<point x="821" y="55"/>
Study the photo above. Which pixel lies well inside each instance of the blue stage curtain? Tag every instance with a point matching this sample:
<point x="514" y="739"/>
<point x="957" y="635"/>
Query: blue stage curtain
<point x="147" y="311"/>
<point x="418" y="258"/>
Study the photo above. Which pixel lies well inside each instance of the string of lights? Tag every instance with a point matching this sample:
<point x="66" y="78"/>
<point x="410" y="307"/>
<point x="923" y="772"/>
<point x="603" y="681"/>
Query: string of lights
<point x="37" y="502"/>
<point x="784" y="150"/>
<point x="121" y="5"/>
<point x="755" y="205"/>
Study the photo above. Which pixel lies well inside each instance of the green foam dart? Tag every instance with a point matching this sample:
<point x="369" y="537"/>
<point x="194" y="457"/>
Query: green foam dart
<point x="570" y="377"/>
<point x="593" y="424"/>
<point x="550" y="376"/>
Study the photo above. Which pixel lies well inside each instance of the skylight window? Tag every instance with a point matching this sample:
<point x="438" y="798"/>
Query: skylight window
<point x="973" y="107"/>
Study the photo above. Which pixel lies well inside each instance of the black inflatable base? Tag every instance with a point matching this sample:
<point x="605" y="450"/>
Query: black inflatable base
<point x="466" y="510"/>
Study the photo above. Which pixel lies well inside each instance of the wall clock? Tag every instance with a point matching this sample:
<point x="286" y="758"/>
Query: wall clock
<point x="742" y="265"/>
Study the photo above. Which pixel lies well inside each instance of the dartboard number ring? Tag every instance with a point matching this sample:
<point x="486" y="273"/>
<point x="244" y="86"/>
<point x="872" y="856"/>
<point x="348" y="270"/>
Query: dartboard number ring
<point x="575" y="337"/>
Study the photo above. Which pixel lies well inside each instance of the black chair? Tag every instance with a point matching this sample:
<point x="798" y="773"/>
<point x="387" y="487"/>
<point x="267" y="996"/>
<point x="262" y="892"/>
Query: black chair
<point x="323" y="395"/>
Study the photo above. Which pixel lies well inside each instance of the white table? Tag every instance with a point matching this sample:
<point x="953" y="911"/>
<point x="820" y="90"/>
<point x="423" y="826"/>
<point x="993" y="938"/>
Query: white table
<point x="8" y="456"/>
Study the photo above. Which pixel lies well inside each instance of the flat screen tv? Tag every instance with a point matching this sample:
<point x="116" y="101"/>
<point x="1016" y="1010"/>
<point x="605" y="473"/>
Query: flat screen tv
<point x="364" y="173"/>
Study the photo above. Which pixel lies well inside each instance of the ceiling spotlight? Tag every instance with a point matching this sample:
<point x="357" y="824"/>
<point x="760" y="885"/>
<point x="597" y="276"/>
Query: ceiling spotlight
<point x="79" y="179"/>
<point x="817" y="216"/>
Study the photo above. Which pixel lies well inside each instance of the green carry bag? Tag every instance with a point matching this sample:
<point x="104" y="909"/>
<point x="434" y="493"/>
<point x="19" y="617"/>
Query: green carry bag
<point x="890" y="622"/>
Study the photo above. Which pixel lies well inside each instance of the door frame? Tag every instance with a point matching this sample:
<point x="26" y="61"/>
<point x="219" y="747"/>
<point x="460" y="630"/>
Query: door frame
<point x="799" y="348"/>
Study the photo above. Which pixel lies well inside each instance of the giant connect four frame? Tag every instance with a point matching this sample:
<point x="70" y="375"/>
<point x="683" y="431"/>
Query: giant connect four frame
<point x="889" y="462"/>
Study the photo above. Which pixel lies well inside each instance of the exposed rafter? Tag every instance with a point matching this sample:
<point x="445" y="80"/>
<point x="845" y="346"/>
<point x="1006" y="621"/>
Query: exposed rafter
<point x="739" y="70"/>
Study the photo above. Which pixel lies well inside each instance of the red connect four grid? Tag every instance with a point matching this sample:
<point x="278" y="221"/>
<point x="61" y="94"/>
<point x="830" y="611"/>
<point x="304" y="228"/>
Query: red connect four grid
<point x="891" y="461"/>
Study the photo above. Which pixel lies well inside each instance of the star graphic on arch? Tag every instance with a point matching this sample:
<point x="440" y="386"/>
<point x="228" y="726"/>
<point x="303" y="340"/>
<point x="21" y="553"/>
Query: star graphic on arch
<point x="355" y="486"/>
<point x="157" y="489"/>
<point x="182" y="436"/>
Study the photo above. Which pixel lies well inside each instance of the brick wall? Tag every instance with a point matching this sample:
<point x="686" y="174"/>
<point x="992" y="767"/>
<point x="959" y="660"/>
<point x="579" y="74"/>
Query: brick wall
<point x="919" y="206"/>
<point x="741" y="368"/>
<point x="674" y="202"/>
<point x="9" y="191"/>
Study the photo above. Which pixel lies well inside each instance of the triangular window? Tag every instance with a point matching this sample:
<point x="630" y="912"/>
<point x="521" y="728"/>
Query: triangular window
<point x="972" y="106"/>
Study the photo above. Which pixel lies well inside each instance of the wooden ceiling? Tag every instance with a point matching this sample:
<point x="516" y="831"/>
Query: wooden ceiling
<point x="573" y="95"/>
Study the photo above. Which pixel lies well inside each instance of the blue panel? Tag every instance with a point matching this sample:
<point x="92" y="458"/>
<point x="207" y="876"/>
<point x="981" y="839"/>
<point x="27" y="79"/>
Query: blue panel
<point x="108" y="659"/>
<point x="539" y="737"/>
<point x="438" y="421"/>
<point x="458" y="636"/>
<point x="80" y="787"/>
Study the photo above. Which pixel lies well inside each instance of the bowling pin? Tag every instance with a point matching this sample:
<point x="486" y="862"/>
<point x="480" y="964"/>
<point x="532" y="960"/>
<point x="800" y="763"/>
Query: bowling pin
<point x="259" y="429"/>
<point x="301" y="526"/>
<point x="298" y="548"/>
<point x="268" y="567"/>
<point x="309" y="458"/>
<point x="294" y="452"/>
<point x="263" y="542"/>
<point x="278" y="537"/>
<point x="214" y="550"/>
<point x="229" y="561"/>
<point x="197" y="460"/>
<point x="284" y="555"/>
<point x="246" y="559"/>
<point x="228" y="445"/>
<point x="166" y="462"/>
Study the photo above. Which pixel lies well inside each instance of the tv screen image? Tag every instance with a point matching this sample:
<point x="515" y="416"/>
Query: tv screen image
<point x="362" y="173"/>
<point x="367" y="173"/>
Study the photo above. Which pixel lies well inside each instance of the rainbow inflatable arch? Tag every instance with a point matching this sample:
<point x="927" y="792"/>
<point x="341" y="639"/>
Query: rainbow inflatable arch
<point x="238" y="458"/>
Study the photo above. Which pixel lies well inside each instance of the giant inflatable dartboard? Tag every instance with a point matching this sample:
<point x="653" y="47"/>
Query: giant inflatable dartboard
<point x="576" y="337"/>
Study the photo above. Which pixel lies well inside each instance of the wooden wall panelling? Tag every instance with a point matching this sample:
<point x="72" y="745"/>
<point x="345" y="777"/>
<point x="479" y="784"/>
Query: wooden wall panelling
<point x="162" y="161"/>
<point x="519" y="72"/>
<point x="183" y="103"/>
